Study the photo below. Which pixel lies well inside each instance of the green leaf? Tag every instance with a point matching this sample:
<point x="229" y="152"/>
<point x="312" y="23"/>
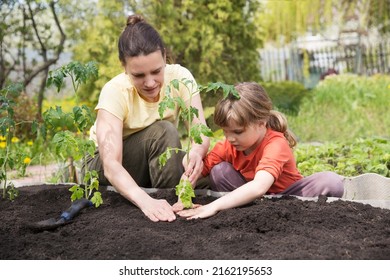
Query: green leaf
<point x="82" y="117"/>
<point x="78" y="72"/>
<point x="180" y="102"/>
<point x="198" y="130"/>
<point x="94" y="184"/>
<point x="77" y="192"/>
<point x="12" y="193"/>
<point x="185" y="192"/>
<point x="82" y="72"/>
<point x="175" y="83"/>
<point x="167" y="102"/>
<point x="14" y="89"/>
<point x="89" y="147"/>
<point x="97" y="199"/>
<point x="56" y="78"/>
<point x="226" y="89"/>
<point x="67" y="145"/>
<point x="163" y="158"/>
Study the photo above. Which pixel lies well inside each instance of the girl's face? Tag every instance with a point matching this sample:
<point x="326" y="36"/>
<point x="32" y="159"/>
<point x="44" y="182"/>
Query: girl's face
<point x="147" y="74"/>
<point x="245" y="139"/>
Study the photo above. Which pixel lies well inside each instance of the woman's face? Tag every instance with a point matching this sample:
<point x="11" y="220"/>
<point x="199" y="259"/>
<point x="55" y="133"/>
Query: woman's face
<point x="245" y="139"/>
<point x="147" y="74"/>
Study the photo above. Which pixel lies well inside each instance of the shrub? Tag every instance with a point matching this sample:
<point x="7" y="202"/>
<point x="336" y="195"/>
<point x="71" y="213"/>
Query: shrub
<point x="26" y="109"/>
<point x="347" y="158"/>
<point x="286" y="96"/>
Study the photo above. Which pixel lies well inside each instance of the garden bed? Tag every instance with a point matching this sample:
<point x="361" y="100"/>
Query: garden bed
<point x="269" y="228"/>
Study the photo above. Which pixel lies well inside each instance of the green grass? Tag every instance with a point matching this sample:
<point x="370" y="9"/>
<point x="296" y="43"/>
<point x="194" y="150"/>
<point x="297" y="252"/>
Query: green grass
<point x="343" y="108"/>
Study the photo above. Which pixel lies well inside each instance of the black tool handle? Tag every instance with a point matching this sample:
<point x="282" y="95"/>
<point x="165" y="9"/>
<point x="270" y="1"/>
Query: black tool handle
<point x="75" y="208"/>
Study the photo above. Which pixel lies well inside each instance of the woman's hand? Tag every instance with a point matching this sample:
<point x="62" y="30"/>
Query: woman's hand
<point x="158" y="210"/>
<point x="204" y="211"/>
<point x="193" y="167"/>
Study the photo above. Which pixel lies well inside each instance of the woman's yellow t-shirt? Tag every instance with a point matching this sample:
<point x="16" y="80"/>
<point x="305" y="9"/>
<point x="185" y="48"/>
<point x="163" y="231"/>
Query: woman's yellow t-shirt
<point x="120" y="98"/>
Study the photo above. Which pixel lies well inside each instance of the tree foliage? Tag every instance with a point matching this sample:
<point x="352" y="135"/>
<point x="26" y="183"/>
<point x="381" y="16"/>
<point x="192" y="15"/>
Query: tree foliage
<point x="217" y="40"/>
<point x="98" y="41"/>
<point x="32" y="39"/>
<point x="287" y="19"/>
<point x="33" y="36"/>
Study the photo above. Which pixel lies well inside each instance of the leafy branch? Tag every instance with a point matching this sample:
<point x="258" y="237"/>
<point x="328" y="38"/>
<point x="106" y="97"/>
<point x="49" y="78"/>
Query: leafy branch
<point x="221" y="87"/>
<point x="79" y="74"/>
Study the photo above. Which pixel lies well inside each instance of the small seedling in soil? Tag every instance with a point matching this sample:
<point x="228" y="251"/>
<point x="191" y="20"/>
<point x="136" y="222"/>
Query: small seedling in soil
<point x="185" y="190"/>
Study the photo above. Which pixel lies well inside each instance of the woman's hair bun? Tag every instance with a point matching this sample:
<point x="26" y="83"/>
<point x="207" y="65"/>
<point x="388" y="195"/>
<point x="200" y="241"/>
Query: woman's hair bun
<point x="133" y="19"/>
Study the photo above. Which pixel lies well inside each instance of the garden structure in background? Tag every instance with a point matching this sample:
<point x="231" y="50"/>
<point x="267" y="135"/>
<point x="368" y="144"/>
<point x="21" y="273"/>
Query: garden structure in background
<point x="269" y="228"/>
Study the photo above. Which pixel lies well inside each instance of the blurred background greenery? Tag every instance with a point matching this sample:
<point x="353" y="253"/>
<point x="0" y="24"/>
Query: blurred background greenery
<point x="226" y="41"/>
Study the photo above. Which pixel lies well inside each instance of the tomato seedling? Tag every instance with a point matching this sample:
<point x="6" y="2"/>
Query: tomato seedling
<point x="75" y="145"/>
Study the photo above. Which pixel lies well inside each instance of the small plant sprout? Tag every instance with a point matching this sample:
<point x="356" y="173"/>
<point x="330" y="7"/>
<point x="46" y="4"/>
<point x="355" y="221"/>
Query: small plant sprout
<point x="11" y="155"/>
<point x="185" y="190"/>
<point x="73" y="144"/>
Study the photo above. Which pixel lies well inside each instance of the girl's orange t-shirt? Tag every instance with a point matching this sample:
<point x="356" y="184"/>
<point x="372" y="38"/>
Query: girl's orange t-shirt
<point x="273" y="155"/>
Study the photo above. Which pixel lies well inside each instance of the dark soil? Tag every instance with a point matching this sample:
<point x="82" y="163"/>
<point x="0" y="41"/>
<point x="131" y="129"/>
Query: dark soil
<point x="277" y="228"/>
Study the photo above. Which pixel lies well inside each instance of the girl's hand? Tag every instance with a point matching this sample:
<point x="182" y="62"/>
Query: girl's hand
<point x="178" y="206"/>
<point x="198" y="212"/>
<point x="193" y="168"/>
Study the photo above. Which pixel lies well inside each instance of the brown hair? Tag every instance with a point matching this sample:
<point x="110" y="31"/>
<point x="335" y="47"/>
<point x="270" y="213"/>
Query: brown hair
<point x="254" y="105"/>
<point x="139" y="38"/>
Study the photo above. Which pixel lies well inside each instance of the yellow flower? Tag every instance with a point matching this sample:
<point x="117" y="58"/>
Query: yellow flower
<point x="27" y="160"/>
<point x="15" y="139"/>
<point x="3" y="145"/>
<point x="30" y="143"/>
<point x="3" y="138"/>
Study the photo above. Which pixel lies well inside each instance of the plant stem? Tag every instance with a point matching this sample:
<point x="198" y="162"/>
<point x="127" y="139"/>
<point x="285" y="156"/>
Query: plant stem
<point x="86" y="192"/>
<point x="4" y="166"/>
<point x="75" y="88"/>
<point x="189" y="142"/>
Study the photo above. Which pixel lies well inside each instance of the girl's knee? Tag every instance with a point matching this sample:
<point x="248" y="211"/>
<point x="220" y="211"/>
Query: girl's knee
<point x="223" y="177"/>
<point x="332" y="184"/>
<point x="218" y="171"/>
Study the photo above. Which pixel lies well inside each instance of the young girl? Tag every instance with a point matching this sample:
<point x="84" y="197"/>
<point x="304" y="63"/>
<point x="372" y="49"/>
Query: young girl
<point x="256" y="157"/>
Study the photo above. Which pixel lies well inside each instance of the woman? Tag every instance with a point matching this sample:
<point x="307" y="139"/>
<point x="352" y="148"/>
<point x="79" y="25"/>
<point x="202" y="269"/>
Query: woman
<point x="129" y="133"/>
